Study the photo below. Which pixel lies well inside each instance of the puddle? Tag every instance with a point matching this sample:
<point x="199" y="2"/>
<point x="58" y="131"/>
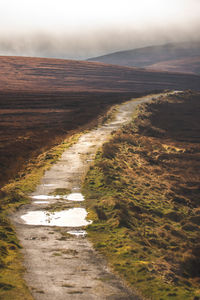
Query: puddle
<point x="77" y="232"/>
<point x="74" y="217"/>
<point x="46" y="197"/>
<point x="41" y="202"/>
<point x="76" y="188"/>
<point x="70" y="197"/>
<point x="75" y="197"/>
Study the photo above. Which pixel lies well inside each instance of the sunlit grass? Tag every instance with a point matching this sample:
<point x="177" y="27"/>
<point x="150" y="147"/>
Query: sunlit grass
<point x="145" y="220"/>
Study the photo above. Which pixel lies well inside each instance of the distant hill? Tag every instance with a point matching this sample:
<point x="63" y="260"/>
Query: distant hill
<point x="183" y="65"/>
<point x="178" y="57"/>
<point x="42" y="74"/>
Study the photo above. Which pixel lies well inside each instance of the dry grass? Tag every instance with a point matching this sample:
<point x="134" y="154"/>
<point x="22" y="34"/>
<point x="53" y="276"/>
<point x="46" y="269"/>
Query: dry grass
<point x="143" y="195"/>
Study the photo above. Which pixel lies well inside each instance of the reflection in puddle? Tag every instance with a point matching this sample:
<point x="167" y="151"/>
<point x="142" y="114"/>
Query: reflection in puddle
<point x="75" y="197"/>
<point x="41" y="202"/>
<point x="77" y="232"/>
<point x="46" y="197"/>
<point x="74" y="217"/>
<point x="70" y="197"/>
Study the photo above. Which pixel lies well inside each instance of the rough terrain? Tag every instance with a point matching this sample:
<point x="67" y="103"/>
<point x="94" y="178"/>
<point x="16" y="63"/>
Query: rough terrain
<point x="44" y="100"/>
<point x="143" y="191"/>
<point x="60" y="265"/>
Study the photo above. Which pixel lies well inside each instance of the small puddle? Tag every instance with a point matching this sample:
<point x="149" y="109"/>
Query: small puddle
<point x="70" y="197"/>
<point x="46" y="197"/>
<point x="41" y="202"/>
<point x="73" y="217"/>
<point x="77" y="232"/>
<point x="75" y="197"/>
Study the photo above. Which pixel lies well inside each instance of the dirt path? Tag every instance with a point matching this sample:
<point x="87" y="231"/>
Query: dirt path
<point x="60" y="265"/>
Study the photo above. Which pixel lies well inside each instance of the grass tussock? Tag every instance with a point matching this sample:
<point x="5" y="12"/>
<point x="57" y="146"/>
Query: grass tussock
<point x="143" y="195"/>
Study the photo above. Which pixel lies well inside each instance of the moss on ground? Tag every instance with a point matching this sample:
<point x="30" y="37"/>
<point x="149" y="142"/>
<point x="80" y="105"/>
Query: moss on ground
<point x="142" y="194"/>
<point x="13" y="195"/>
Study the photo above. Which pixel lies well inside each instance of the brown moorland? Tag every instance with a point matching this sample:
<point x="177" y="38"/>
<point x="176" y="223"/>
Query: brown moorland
<point x="44" y="100"/>
<point x="31" y="123"/>
<point x="183" y="65"/>
<point x="41" y="102"/>
<point x="45" y="75"/>
<point x="144" y="194"/>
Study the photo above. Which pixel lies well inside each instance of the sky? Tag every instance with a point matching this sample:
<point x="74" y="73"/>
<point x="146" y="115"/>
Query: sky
<point x="79" y="29"/>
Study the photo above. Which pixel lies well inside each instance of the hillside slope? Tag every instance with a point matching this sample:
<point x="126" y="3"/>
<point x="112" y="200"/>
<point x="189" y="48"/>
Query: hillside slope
<point x="178" y="57"/>
<point x="39" y="74"/>
<point x="183" y="65"/>
<point x="43" y="100"/>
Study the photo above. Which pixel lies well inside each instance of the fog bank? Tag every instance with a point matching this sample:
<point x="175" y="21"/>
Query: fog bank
<point x="81" y="29"/>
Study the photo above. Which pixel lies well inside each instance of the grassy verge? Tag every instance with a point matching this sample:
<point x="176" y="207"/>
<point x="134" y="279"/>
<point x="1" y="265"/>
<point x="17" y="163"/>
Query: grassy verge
<point x="143" y="196"/>
<point x="13" y="195"/>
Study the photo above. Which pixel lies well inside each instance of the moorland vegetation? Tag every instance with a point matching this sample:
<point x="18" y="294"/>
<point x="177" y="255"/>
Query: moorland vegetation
<point x="143" y="196"/>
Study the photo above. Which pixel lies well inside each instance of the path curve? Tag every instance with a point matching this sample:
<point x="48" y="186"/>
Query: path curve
<point x="62" y="266"/>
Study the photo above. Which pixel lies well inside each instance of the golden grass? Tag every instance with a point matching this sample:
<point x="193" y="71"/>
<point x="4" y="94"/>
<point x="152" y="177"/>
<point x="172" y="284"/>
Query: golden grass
<point x="144" y="199"/>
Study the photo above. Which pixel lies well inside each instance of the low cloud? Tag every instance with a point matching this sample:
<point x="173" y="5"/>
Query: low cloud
<point x="91" y="31"/>
<point x="89" y="45"/>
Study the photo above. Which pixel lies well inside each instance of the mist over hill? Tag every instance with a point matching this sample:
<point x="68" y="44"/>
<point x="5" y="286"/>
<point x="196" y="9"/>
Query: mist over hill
<point x="178" y="57"/>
